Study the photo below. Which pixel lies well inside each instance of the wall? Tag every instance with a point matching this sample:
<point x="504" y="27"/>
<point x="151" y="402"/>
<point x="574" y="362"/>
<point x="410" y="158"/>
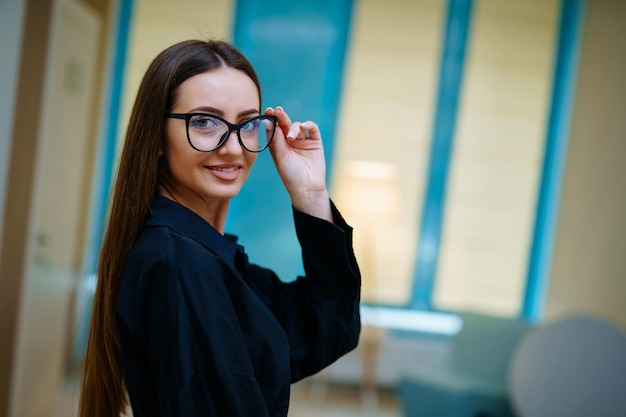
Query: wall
<point x="55" y="244"/>
<point x="19" y="176"/>
<point x="11" y="20"/>
<point x="11" y="24"/>
<point x="589" y="265"/>
<point x="52" y="126"/>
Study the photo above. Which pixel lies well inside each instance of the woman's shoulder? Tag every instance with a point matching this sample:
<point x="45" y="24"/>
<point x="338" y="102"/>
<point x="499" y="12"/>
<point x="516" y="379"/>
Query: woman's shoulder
<point x="163" y="260"/>
<point x="165" y="245"/>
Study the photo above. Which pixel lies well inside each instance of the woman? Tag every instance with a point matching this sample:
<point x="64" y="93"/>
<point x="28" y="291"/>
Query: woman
<point x="182" y="324"/>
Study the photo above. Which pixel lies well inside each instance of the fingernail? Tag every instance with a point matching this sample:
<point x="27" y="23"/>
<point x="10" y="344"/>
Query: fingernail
<point x="279" y="108"/>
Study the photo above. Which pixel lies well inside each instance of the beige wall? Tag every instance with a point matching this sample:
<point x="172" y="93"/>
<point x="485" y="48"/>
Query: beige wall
<point x="23" y="146"/>
<point x="61" y="67"/>
<point x="11" y="20"/>
<point x="589" y="266"/>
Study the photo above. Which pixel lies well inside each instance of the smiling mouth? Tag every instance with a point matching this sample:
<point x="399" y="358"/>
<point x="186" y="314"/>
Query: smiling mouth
<point x="229" y="169"/>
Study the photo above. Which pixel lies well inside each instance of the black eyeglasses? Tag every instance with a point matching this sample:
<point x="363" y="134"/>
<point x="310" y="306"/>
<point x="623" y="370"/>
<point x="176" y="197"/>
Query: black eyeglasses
<point x="206" y="132"/>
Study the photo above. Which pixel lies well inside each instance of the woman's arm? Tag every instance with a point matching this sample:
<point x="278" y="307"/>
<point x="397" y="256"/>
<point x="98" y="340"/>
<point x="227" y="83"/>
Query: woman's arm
<point x="320" y="311"/>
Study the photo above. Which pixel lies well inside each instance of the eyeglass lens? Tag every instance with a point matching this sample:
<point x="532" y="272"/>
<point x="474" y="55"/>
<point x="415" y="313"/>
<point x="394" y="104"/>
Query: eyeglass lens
<point x="206" y="133"/>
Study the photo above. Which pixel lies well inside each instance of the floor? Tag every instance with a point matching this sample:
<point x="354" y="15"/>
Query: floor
<point x="308" y="400"/>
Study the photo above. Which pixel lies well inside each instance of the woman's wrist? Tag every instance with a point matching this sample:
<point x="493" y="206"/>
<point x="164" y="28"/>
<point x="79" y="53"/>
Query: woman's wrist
<point x="313" y="203"/>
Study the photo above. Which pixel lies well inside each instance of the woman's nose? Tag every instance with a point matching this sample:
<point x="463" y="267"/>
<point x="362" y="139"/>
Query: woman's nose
<point x="232" y="144"/>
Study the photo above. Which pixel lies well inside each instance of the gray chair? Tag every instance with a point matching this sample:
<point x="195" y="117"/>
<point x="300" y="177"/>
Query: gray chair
<point x="474" y="382"/>
<point x="574" y="367"/>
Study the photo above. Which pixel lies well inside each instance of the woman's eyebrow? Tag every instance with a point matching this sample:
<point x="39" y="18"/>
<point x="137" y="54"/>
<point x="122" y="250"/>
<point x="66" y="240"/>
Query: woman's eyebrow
<point x="205" y="109"/>
<point x="249" y="112"/>
<point x="218" y="112"/>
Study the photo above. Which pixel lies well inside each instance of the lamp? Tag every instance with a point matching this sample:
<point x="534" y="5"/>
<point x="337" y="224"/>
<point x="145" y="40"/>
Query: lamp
<point x="369" y="194"/>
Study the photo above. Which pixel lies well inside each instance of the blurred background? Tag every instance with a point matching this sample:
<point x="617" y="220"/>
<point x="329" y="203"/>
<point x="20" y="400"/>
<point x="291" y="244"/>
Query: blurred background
<point x="476" y="147"/>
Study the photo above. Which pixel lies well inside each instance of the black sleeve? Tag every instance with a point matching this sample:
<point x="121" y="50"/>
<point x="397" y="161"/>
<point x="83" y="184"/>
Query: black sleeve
<point x="320" y="311"/>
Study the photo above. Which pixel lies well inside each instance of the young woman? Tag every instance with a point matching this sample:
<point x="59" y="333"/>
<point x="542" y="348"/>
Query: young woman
<point x="182" y="323"/>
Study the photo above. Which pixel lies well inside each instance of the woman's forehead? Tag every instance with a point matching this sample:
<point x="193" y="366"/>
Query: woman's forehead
<point x="219" y="86"/>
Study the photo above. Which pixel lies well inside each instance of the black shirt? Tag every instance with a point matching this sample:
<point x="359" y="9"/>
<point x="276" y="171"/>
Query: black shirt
<point x="205" y="333"/>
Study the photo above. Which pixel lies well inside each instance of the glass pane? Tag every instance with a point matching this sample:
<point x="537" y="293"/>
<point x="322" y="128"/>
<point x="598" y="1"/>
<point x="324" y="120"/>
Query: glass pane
<point x="498" y="151"/>
<point x="383" y="138"/>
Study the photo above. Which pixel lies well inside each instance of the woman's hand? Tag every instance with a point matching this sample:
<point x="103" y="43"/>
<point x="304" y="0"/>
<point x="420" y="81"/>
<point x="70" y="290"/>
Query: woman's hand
<point x="298" y="154"/>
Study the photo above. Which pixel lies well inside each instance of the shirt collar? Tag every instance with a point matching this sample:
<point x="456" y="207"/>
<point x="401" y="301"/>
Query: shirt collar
<point x="167" y="213"/>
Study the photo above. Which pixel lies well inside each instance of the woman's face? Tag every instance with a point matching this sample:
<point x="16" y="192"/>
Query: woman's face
<point x="201" y="178"/>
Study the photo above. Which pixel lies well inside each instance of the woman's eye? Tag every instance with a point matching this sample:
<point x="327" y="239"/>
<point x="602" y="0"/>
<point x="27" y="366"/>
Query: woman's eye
<point x="250" y="125"/>
<point x="203" y="122"/>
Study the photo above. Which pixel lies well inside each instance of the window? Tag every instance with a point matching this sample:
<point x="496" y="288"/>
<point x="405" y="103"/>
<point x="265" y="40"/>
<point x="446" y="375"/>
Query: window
<point x="492" y="176"/>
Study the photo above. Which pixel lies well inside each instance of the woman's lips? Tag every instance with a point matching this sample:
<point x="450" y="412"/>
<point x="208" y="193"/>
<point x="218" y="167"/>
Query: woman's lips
<point x="225" y="172"/>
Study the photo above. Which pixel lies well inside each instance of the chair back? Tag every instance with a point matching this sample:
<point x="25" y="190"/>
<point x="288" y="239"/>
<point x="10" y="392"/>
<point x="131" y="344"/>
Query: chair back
<point x="484" y="346"/>
<point x="574" y="367"/>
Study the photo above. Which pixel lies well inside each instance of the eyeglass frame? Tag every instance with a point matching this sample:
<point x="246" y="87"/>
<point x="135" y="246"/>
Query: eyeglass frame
<point x="236" y="127"/>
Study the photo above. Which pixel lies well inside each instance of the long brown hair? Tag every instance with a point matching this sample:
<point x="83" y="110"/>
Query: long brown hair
<point x="139" y="173"/>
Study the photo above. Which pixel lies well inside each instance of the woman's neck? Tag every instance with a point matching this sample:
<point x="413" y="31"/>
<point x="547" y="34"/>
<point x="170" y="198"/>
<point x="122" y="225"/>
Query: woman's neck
<point x="213" y="212"/>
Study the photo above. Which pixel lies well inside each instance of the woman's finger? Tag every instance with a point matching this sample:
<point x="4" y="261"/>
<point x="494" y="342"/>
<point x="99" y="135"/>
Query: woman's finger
<point x="284" y="122"/>
<point x="296" y="132"/>
<point x="303" y="131"/>
<point x="312" y="130"/>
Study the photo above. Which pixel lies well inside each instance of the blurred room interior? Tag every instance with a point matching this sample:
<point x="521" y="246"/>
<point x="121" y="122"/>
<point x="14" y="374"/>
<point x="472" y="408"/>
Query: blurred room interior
<point x="474" y="145"/>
